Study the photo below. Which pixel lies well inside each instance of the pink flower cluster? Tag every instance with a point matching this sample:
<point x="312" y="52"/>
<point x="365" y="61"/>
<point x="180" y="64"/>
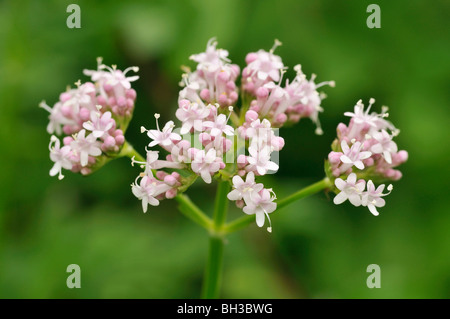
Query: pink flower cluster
<point x="298" y="99"/>
<point x="365" y="147"/>
<point x="92" y="119"/>
<point x="207" y="146"/>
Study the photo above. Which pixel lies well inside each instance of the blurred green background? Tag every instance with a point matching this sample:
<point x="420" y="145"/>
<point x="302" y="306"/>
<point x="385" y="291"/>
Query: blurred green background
<point x="317" y="249"/>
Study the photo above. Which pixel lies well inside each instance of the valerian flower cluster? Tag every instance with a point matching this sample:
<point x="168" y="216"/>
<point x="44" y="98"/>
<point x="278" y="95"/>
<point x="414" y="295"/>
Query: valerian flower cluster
<point x="365" y="148"/>
<point x="92" y="119"/>
<point x="227" y="130"/>
<point x="216" y="139"/>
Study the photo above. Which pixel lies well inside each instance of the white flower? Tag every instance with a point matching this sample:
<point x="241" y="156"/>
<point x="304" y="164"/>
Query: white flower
<point x="113" y="77"/>
<point x="219" y="126"/>
<point x="353" y="155"/>
<point x="193" y="85"/>
<point x="119" y="77"/>
<point x="192" y="115"/>
<point x="260" y="132"/>
<point x="164" y="137"/>
<point x="152" y="163"/>
<point x="260" y="160"/>
<point x="244" y="190"/>
<point x="212" y="59"/>
<point x="99" y="125"/>
<point x="374" y="120"/>
<point x="266" y="66"/>
<point x="147" y="191"/>
<point x="85" y="146"/>
<point x="60" y="156"/>
<point x="82" y="96"/>
<point x="350" y="190"/>
<point x="372" y="197"/>
<point x="385" y="145"/>
<point x="56" y="117"/>
<point x="361" y="117"/>
<point x="261" y="205"/>
<point x="205" y="164"/>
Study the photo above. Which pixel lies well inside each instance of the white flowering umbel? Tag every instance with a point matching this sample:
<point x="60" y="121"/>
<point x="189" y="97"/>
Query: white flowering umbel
<point x="212" y="128"/>
<point x="91" y="119"/>
<point x="365" y="149"/>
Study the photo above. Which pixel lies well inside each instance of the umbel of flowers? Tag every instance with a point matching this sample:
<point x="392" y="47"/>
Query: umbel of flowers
<point x="91" y="119"/>
<point x="227" y="130"/>
<point x="364" y="152"/>
<point x="212" y="126"/>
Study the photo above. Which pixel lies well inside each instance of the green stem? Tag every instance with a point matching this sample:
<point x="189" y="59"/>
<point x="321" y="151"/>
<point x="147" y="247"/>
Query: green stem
<point x="191" y="211"/>
<point x="221" y="204"/>
<point x="305" y="192"/>
<point x="213" y="271"/>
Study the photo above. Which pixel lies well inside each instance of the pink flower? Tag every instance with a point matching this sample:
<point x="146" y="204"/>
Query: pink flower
<point x="384" y="145"/>
<point x="219" y="126"/>
<point x="165" y="137"/>
<point x="60" y="156"/>
<point x="353" y="156"/>
<point x="261" y="204"/>
<point x="259" y="160"/>
<point x="205" y="164"/>
<point x="244" y="190"/>
<point x="112" y="76"/>
<point x="192" y="115"/>
<point x="362" y="117"/>
<point x="263" y="66"/>
<point x="99" y="125"/>
<point x="372" y="197"/>
<point x="212" y="58"/>
<point x="85" y="146"/>
<point x="153" y="163"/>
<point x="147" y="190"/>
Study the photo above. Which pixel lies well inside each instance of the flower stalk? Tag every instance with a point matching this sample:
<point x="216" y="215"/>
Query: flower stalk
<point x="243" y="222"/>
<point x="213" y="272"/>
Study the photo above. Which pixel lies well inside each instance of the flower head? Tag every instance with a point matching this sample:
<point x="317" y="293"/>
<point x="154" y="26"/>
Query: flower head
<point x="372" y="155"/>
<point x="354" y="155"/>
<point x="166" y="137"/>
<point x="349" y="189"/>
<point x="372" y="197"/>
<point x="91" y="119"/>
<point x="205" y="164"/>
<point x="244" y="190"/>
<point x="60" y="156"/>
<point x="261" y="204"/>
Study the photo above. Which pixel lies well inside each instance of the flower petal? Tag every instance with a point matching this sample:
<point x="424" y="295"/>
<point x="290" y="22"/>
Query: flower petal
<point x="260" y="218"/>
<point x="340" y="183"/>
<point x="340" y="198"/>
<point x="355" y="199"/>
<point x="373" y="209"/>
